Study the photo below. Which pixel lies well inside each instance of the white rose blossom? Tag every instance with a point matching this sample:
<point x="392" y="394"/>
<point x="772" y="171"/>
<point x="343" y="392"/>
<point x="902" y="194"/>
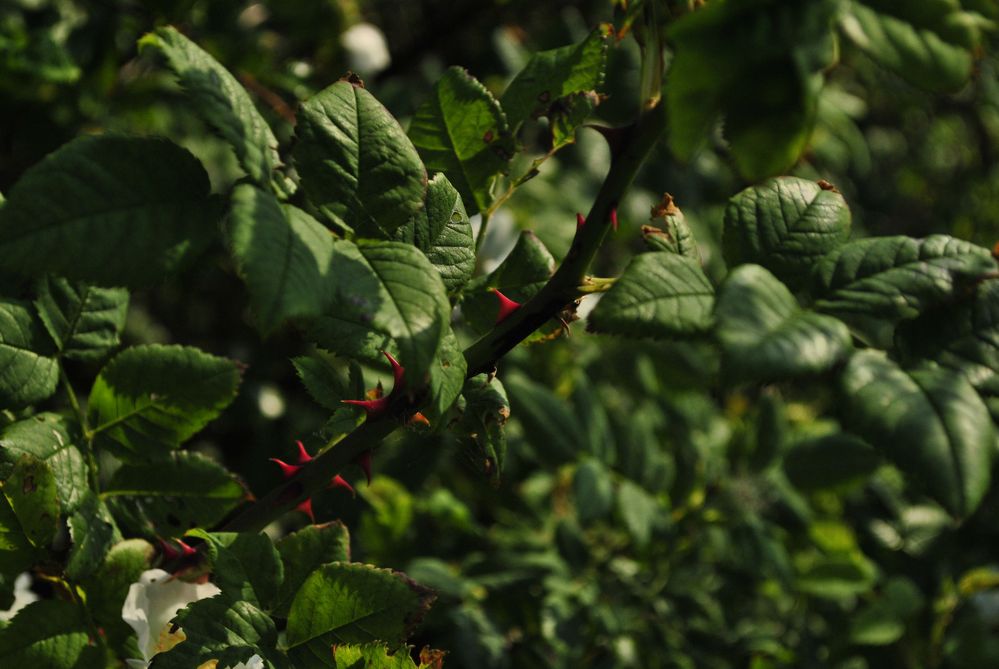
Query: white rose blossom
<point x="22" y="596"/>
<point x="152" y="603"/>
<point x="366" y="49"/>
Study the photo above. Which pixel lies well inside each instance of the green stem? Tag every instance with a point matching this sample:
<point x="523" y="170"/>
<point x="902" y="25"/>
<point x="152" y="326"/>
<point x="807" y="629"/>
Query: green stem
<point x="562" y="289"/>
<point x="88" y="436"/>
<point x="479" y="238"/>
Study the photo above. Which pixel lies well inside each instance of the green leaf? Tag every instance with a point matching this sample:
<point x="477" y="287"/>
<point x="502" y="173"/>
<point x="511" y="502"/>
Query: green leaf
<point x="283" y="255"/>
<point x="447" y="377"/>
<point x="108" y="586"/>
<point x="173" y="495"/>
<point x="325" y="382"/>
<point x="356" y="163"/>
<point x="882" y="622"/>
<point x="220" y="629"/>
<point x="639" y="510"/>
<point x="758" y="64"/>
<point x="352" y="603"/>
<point x="658" y="295"/>
<point x="765" y="336"/>
<point x="838" y="576"/>
<point x="223" y="103"/>
<point x="387" y="296"/>
<point x="442" y="231"/>
<point x="49" y="634"/>
<point x="378" y="656"/>
<point x="919" y="49"/>
<point x="484" y="413"/>
<point x="93" y="532"/>
<point x="16" y="552"/>
<point x="84" y="320"/>
<point x="463" y="132"/>
<point x="962" y="336"/>
<point x="144" y="194"/>
<point x="31" y="492"/>
<point x="549" y="421"/>
<point x="551" y="80"/>
<point x="675" y="235"/>
<point x="150" y="399"/>
<point x="50" y="438"/>
<point x="570" y="113"/>
<point x="830" y="462"/>
<point x="872" y="284"/>
<point x="303" y="552"/>
<point x="786" y="225"/>
<point x="27" y="374"/>
<point x="521" y="276"/>
<point x="245" y="565"/>
<point x="929" y="422"/>
<point x="594" y="491"/>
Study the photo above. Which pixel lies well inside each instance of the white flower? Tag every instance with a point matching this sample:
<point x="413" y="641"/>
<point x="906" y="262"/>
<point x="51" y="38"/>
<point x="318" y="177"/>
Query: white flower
<point x="366" y="49"/>
<point x="150" y="605"/>
<point x="22" y="596"/>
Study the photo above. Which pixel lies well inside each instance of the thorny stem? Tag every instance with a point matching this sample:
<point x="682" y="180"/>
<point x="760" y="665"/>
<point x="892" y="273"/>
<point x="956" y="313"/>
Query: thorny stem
<point x="561" y="290"/>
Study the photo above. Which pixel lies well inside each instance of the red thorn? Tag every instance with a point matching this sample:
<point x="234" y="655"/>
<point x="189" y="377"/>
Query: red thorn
<point x="398" y="371"/>
<point x="364" y="462"/>
<point x="580" y="221"/>
<point x="286" y="469"/>
<point x="171" y="553"/>
<point x="340" y="482"/>
<point x="371" y="407"/>
<point x="614" y="219"/>
<point x="303" y="455"/>
<point x="306" y="508"/>
<point x="506" y="306"/>
<point x="186" y="550"/>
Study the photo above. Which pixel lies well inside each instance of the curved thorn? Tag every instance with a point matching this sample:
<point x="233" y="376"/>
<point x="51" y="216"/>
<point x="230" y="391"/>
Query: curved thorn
<point x="340" y="482"/>
<point x="306" y="508"/>
<point x="286" y="469"/>
<point x="364" y="462"/>
<point x="506" y="306"/>
<point x="613" y="218"/>
<point x="303" y="455"/>
<point x="398" y="371"/>
<point x="580" y="221"/>
<point x="371" y="407"/>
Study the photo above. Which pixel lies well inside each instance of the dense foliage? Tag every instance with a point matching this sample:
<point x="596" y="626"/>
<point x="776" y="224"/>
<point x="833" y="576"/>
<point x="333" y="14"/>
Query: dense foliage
<point x="749" y="422"/>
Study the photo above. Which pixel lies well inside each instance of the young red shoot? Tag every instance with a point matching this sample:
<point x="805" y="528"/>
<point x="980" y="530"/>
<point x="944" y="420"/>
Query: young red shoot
<point x="419" y="419"/>
<point x="613" y="218"/>
<point x="580" y="221"/>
